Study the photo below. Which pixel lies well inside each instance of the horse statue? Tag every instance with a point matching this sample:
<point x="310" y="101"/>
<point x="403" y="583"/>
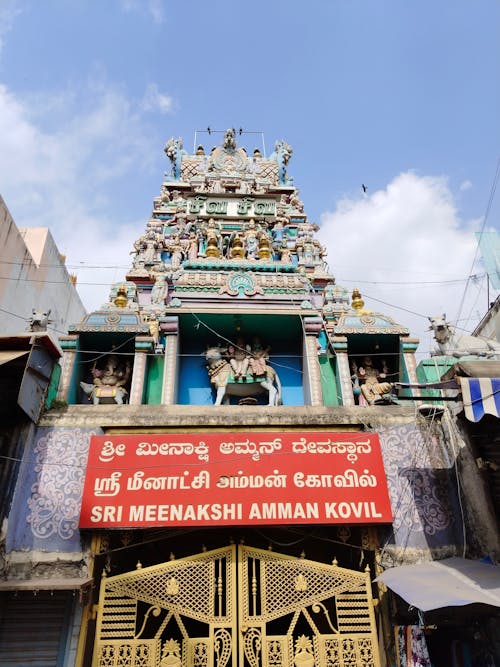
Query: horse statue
<point x="109" y="381"/>
<point x="222" y="376"/>
<point x="453" y="344"/>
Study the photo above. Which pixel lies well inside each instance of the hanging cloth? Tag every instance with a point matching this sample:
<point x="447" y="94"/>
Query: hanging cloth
<point x="411" y="646"/>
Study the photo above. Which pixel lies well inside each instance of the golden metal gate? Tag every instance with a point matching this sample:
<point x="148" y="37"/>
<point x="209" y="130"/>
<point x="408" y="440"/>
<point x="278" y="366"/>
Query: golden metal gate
<point x="237" y="607"/>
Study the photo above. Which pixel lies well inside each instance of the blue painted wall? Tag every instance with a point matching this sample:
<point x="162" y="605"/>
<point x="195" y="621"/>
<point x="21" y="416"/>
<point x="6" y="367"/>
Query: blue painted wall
<point x="195" y="388"/>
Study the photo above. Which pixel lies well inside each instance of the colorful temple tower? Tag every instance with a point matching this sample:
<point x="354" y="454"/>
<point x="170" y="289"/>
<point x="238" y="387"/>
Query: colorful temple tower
<point x="229" y="463"/>
<point x="230" y="266"/>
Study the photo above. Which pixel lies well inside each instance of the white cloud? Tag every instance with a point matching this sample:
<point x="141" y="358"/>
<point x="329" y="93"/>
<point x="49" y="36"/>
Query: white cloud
<point x="155" y="8"/>
<point x="9" y="11"/>
<point x="465" y="185"/>
<point x="155" y="101"/>
<point x="97" y="253"/>
<point x="67" y="178"/>
<point x="405" y="246"/>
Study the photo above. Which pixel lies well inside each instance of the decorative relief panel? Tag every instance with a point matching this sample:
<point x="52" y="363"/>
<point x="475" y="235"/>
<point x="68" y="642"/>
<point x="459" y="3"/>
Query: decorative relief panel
<point x="223" y="281"/>
<point x="421" y="489"/>
<point x="54" y="492"/>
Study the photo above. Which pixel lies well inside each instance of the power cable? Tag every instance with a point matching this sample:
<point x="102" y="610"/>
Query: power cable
<point x="485" y="219"/>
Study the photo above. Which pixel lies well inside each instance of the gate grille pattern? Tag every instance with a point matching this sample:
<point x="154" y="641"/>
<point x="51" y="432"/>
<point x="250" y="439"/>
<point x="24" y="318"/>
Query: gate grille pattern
<point x="237" y="607"/>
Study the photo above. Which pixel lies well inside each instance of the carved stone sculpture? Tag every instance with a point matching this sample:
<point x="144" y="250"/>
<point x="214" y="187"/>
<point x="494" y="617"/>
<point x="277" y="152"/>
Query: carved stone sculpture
<point x="372" y="382"/>
<point x="109" y="381"/>
<point x="459" y="345"/>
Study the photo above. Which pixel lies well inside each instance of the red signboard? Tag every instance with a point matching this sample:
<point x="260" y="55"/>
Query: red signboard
<point x="196" y="479"/>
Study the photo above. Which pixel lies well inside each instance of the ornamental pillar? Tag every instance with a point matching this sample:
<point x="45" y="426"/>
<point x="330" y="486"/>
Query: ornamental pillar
<point x="339" y="345"/>
<point x="408" y="348"/>
<point x="170" y="329"/>
<point x="312" y="377"/>
<point x="69" y="345"/>
<point x="143" y="346"/>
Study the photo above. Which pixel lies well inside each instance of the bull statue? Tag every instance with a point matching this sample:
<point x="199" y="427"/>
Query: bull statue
<point x="453" y="344"/>
<point x="39" y="320"/>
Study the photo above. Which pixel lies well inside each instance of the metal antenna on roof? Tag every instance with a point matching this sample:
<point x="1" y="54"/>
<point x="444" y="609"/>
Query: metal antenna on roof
<point x="241" y="131"/>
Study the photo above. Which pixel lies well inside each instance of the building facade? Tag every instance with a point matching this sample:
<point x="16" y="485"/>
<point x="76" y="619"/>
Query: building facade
<point x="34" y="280"/>
<point x="235" y="454"/>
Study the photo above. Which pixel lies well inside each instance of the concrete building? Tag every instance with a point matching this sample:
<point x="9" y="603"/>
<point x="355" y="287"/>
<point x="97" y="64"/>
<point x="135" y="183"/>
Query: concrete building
<point x="489" y="327"/>
<point x="38" y="301"/>
<point x="34" y="277"/>
<point x="240" y="454"/>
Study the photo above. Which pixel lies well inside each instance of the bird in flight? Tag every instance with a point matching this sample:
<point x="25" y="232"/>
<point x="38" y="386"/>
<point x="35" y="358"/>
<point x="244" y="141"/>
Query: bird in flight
<point x="364" y="188"/>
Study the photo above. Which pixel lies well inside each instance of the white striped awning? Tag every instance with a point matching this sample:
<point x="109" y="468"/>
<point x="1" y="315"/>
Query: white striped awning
<point x="480" y="396"/>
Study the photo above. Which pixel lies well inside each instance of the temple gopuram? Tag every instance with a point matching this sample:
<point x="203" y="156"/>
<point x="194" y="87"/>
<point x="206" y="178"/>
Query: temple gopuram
<point x="234" y="455"/>
<point x="229" y="267"/>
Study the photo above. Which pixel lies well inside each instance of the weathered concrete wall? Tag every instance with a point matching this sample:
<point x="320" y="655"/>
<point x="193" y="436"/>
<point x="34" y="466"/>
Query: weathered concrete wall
<point x="419" y="459"/>
<point x="42" y="537"/>
<point x="35" y="277"/>
<point x="220" y="417"/>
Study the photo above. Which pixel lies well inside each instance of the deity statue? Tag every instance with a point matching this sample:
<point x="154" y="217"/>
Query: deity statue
<point x="192" y="246"/>
<point x="138" y="259"/>
<point x="164" y="194"/>
<point x="336" y="300"/>
<point x="114" y="373"/>
<point x="176" y="253"/>
<point x="279" y="231"/>
<point x="211" y="232"/>
<point x="229" y="143"/>
<point x="178" y="198"/>
<point x="216" y="187"/>
<point x="174" y="152"/>
<point x="109" y="381"/>
<point x="259" y="356"/>
<point x="154" y="328"/>
<point x="372" y="382"/>
<point x="245" y="188"/>
<point x="295" y="202"/>
<point x="283" y="153"/>
<point x="252" y="240"/>
<point x="239" y="358"/>
<point x="159" y="291"/>
<point x="149" y="245"/>
<point x="319" y="252"/>
<point x="259" y="188"/>
<point x="305" y="250"/>
<point x="283" y="206"/>
<point x="285" y="253"/>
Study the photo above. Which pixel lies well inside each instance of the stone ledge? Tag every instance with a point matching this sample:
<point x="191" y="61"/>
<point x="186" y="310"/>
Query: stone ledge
<point x="227" y="417"/>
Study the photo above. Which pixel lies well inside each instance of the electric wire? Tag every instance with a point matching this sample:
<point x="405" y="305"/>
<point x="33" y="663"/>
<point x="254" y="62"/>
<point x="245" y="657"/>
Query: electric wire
<point x="404" y="283"/>
<point x="476" y="253"/>
<point x="453" y="432"/>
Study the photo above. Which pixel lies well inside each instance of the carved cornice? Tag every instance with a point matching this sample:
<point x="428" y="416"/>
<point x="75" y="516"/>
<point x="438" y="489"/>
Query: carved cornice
<point x="251" y="283"/>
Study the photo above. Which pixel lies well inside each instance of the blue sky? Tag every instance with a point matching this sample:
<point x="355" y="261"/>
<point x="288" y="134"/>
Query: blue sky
<point x="403" y="97"/>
